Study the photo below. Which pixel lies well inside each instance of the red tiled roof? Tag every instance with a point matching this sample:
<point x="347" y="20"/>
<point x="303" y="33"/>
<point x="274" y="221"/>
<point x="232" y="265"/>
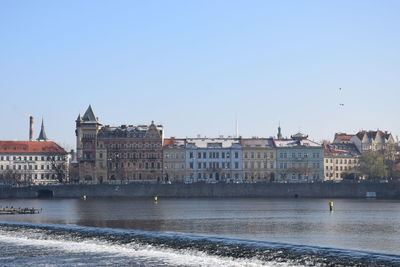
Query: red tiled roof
<point x="173" y="141"/>
<point x="30" y="147"/>
<point x="345" y="137"/>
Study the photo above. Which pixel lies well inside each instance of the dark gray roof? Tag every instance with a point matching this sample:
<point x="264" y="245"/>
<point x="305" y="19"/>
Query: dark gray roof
<point x="42" y="134"/>
<point x="89" y="115"/>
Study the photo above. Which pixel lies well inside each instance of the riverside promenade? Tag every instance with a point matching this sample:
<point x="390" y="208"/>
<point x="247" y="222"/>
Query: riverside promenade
<point x="257" y="190"/>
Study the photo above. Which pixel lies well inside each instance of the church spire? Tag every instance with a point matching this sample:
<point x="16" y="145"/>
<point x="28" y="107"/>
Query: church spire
<point x="42" y="135"/>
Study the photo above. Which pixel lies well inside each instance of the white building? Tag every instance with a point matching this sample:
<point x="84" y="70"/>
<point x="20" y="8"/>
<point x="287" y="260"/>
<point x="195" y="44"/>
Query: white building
<point x="299" y="159"/>
<point x="213" y="160"/>
<point x="33" y="162"/>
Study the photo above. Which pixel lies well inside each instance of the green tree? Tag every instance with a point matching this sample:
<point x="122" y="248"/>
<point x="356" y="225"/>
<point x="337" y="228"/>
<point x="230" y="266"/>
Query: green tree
<point x="372" y="165"/>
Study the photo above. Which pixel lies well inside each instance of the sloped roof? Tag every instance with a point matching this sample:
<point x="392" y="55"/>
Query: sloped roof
<point x="373" y="134"/>
<point x="30" y="147"/>
<point x="344" y="136"/>
<point x="173" y="142"/>
<point x="344" y="149"/>
<point x="257" y="142"/>
<point x="282" y="143"/>
<point x="42" y="134"/>
<point x="89" y="115"/>
<point x="212" y="142"/>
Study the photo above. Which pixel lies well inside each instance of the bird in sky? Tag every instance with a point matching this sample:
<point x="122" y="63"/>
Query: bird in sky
<point x="341" y="104"/>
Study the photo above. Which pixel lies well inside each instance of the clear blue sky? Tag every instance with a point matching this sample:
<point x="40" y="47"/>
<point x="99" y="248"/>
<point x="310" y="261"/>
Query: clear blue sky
<point x="194" y="65"/>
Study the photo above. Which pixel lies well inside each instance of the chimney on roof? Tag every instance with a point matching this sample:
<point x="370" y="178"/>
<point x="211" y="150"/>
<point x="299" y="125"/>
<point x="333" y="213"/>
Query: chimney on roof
<point x="30" y="128"/>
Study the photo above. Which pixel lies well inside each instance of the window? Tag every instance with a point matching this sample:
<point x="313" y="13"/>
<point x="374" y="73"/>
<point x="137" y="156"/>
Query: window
<point x="236" y="155"/>
<point x="191" y="155"/>
<point x="236" y="165"/>
<point x="199" y="155"/>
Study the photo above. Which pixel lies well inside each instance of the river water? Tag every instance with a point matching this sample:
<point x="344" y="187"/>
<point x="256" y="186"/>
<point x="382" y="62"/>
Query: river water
<point x="202" y="232"/>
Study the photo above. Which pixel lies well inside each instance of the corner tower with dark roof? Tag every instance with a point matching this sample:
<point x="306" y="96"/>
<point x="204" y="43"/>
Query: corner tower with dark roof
<point x="87" y="127"/>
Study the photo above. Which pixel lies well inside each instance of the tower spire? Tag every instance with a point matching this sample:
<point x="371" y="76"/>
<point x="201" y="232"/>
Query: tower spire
<point x="42" y="134"/>
<point x="279" y="131"/>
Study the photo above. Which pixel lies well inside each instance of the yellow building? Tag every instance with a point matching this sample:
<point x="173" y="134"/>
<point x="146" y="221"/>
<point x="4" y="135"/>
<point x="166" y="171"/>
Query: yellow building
<point x="259" y="159"/>
<point x="340" y="161"/>
<point x="174" y="160"/>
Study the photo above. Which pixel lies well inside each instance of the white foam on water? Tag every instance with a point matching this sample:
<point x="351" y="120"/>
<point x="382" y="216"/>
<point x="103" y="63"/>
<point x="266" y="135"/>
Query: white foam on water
<point x="143" y="252"/>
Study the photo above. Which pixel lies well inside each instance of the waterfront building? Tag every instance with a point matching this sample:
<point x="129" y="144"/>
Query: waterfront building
<point x="213" y="160"/>
<point x="33" y="162"/>
<point x="118" y="154"/>
<point x="259" y="159"/>
<point x="340" y="161"/>
<point x="174" y="152"/>
<point x="299" y="159"/>
<point x="367" y="140"/>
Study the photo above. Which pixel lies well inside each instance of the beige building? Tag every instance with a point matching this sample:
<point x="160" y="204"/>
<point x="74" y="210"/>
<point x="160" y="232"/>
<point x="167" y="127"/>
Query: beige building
<point x="367" y="140"/>
<point x="174" y="160"/>
<point x="259" y="159"/>
<point x="340" y="161"/>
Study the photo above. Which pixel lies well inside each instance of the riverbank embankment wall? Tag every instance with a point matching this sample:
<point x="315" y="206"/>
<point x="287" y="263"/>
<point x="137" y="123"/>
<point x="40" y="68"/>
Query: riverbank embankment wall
<point x="259" y="190"/>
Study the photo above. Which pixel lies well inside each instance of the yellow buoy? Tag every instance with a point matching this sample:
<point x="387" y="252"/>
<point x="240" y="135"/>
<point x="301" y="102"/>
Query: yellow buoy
<point x="155" y="198"/>
<point x="84" y="197"/>
<point x="331" y="205"/>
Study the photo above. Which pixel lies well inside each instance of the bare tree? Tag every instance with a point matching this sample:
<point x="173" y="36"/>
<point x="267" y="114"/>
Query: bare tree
<point x="10" y="177"/>
<point x="59" y="168"/>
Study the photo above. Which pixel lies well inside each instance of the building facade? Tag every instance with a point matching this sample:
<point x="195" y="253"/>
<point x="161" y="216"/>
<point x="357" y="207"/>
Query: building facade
<point x="174" y="152"/>
<point x="32" y="162"/>
<point x="340" y="161"/>
<point x="259" y="159"/>
<point x="213" y="160"/>
<point x="367" y="140"/>
<point x="118" y="154"/>
<point x="299" y="160"/>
